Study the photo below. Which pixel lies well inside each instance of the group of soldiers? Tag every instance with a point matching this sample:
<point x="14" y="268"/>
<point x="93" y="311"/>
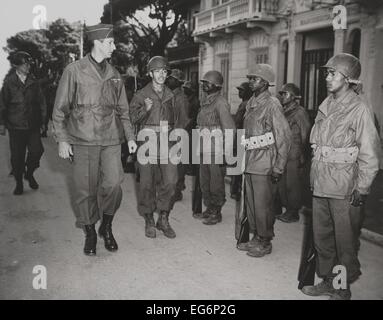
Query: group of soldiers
<point x="92" y="118"/>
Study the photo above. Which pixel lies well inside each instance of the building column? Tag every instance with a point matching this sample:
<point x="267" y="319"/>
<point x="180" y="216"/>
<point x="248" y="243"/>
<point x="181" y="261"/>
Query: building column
<point x="339" y="40"/>
<point x="295" y="58"/>
<point x="273" y="52"/>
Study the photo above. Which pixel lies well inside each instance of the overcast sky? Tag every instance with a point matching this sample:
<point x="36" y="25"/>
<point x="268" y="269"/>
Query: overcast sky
<point x="17" y="15"/>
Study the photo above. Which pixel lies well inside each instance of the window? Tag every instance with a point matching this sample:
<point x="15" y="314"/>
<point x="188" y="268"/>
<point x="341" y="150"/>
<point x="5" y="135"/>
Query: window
<point x="260" y="55"/>
<point x="225" y="73"/>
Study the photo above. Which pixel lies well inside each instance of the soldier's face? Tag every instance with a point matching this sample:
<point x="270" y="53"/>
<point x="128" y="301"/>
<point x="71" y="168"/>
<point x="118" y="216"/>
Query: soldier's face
<point x="105" y="47"/>
<point x="286" y="97"/>
<point x="24" y="68"/>
<point x="172" y="83"/>
<point x="207" y="86"/>
<point x="335" y="81"/>
<point x="159" y="75"/>
<point x="255" y="83"/>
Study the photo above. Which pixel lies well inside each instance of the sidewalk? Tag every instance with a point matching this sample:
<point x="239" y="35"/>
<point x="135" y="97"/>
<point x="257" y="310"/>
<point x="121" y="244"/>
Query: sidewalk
<point x="202" y="262"/>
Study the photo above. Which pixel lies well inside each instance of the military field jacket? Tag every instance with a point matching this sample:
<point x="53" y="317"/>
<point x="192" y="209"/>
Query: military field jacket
<point x="264" y="114"/>
<point x="90" y="109"/>
<point x="342" y="123"/>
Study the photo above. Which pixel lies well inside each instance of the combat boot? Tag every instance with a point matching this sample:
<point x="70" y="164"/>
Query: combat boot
<point x="341" y="294"/>
<point x="203" y="215"/>
<point x="150" y="230"/>
<point x="246" y="246"/>
<point x="262" y="248"/>
<point x="289" y="216"/>
<point x="19" y="186"/>
<point x="105" y="232"/>
<point x="90" y="240"/>
<point x="164" y="226"/>
<point x="31" y="180"/>
<point x="214" y="218"/>
<point x="323" y="288"/>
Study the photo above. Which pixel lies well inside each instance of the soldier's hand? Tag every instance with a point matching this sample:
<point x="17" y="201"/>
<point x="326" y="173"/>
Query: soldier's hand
<point x="358" y="199"/>
<point x="132" y="146"/>
<point x="148" y="104"/>
<point x="275" y="177"/>
<point x="2" y="130"/>
<point x="65" y="150"/>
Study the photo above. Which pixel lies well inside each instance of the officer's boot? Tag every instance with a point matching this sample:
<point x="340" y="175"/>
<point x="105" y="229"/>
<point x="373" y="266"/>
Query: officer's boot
<point x="90" y="240"/>
<point x="341" y="294"/>
<point x="31" y="179"/>
<point x="214" y="218"/>
<point x="262" y="248"/>
<point x="323" y="288"/>
<point x="164" y="226"/>
<point x="105" y="232"/>
<point x="246" y="246"/>
<point x="19" y="185"/>
<point x="150" y="230"/>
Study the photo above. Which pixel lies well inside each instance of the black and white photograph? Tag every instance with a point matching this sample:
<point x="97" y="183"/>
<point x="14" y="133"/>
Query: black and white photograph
<point x="191" y="155"/>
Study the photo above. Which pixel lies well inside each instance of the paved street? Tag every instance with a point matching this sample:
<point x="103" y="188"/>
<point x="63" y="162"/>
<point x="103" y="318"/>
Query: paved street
<point x="200" y="263"/>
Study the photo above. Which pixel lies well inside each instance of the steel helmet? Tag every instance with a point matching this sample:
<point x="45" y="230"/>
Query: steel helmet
<point x="214" y="77"/>
<point x="292" y="88"/>
<point x="346" y="64"/>
<point x="20" y="57"/>
<point x="262" y="70"/>
<point x="177" y="74"/>
<point x="158" y="62"/>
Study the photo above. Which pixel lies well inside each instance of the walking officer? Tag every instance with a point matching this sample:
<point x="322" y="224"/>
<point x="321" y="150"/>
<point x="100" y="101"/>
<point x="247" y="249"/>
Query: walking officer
<point x="291" y="186"/>
<point x="153" y="104"/>
<point x="90" y="121"/>
<point x="22" y="112"/>
<point x="267" y="142"/>
<point x="213" y="115"/>
<point x="346" y="160"/>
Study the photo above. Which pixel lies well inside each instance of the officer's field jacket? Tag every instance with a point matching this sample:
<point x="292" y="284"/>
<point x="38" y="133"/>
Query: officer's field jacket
<point x="300" y="126"/>
<point x="90" y="109"/>
<point x="182" y="109"/>
<point x="215" y="115"/>
<point x="22" y="106"/>
<point x="264" y="114"/>
<point x="342" y="123"/>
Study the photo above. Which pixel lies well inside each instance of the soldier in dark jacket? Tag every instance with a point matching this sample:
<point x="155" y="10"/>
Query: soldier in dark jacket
<point x="174" y="82"/>
<point x="23" y="110"/>
<point x="150" y="106"/>
<point x="90" y="121"/>
<point x="244" y="94"/>
<point x="214" y="117"/>
<point x="291" y="187"/>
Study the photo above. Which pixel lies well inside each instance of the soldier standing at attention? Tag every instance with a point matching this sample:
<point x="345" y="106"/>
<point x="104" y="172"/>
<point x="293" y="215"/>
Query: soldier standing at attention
<point x="291" y="186"/>
<point x="214" y="115"/>
<point x="90" y="121"/>
<point x="267" y="142"/>
<point x="346" y="149"/>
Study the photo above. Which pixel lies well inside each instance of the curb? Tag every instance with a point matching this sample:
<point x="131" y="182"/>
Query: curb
<point x="372" y="237"/>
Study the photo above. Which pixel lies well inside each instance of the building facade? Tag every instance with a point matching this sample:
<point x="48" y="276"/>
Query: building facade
<point x="296" y="37"/>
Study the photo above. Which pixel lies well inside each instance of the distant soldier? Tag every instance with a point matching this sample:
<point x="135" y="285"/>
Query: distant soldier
<point x="151" y="105"/>
<point x="214" y="115"/>
<point x="174" y="82"/>
<point x="346" y="160"/>
<point x="291" y="186"/>
<point x="22" y="112"/>
<point x="90" y="121"/>
<point x="267" y="142"/>
<point x="244" y="93"/>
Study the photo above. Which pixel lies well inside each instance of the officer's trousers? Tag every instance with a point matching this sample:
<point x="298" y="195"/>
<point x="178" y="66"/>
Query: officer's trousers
<point x="259" y="197"/>
<point x="157" y="187"/>
<point x="337" y="226"/>
<point x="290" y="187"/>
<point x="212" y="180"/>
<point x="98" y="174"/>
<point x="19" y="142"/>
<point x="180" y="185"/>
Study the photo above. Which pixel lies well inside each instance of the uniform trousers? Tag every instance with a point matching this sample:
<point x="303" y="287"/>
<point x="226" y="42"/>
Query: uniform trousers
<point x="290" y="187"/>
<point x="98" y="175"/>
<point x="337" y="226"/>
<point x="212" y="180"/>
